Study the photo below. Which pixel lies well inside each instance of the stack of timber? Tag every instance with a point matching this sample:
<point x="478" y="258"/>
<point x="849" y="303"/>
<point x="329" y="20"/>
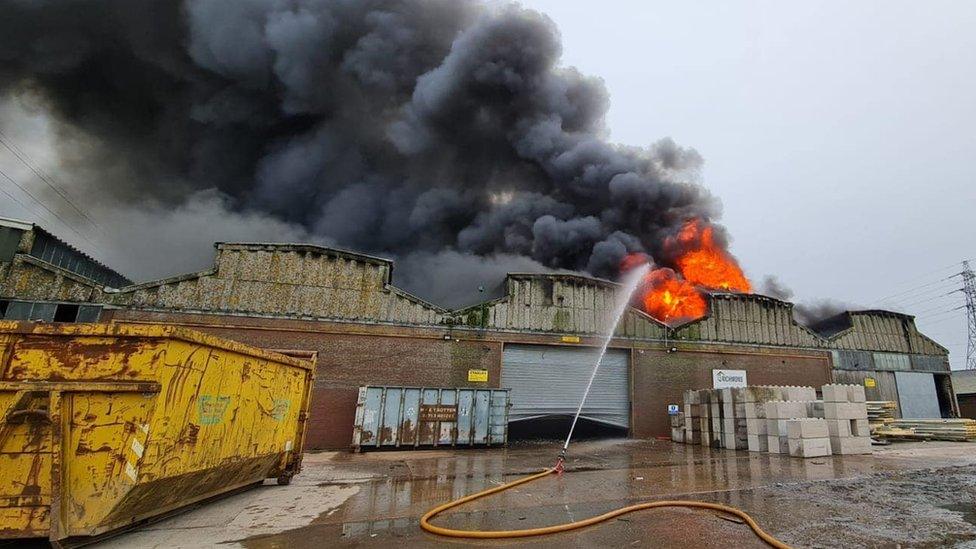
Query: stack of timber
<point x="960" y="430"/>
<point x="881" y="413"/>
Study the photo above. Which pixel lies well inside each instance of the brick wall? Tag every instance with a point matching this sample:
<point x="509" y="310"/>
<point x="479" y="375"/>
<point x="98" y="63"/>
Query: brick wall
<point x="660" y="378"/>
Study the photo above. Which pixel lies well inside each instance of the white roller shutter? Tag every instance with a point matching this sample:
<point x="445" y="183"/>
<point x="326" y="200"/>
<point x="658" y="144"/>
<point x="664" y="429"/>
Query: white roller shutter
<point x="549" y="380"/>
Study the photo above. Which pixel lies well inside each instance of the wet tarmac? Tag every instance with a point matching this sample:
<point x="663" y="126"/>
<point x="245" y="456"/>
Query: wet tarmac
<point x="912" y="494"/>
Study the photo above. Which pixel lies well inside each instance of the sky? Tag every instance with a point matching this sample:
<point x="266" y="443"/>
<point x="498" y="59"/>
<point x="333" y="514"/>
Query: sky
<point x="838" y="135"/>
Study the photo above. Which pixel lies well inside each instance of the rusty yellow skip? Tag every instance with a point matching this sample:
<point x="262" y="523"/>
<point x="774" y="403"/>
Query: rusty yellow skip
<point x="103" y="426"/>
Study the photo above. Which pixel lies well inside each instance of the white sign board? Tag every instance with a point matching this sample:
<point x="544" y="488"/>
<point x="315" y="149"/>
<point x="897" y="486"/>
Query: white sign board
<point x="672" y="409"/>
<point x="722" y="379"/>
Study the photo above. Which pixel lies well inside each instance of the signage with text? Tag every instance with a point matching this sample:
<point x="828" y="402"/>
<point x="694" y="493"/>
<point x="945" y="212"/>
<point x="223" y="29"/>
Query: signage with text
<point x="722" y="379"/>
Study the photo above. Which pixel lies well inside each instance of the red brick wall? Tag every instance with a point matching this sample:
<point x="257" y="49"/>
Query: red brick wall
<point x="660" y="379"/>
<point x="395" y="355"/>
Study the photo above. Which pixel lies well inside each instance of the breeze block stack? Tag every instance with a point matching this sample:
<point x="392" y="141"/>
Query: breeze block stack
<point x="846" y="412"/>
<point x="777" y="419"/>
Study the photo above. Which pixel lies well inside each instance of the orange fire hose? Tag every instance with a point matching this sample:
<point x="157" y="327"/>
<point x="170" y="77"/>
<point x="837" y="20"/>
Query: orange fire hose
<point x="494" y="534"/>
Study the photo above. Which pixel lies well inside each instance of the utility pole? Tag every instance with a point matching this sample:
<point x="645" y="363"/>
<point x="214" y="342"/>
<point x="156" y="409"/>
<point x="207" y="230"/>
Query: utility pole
<point x="969" y="288"/>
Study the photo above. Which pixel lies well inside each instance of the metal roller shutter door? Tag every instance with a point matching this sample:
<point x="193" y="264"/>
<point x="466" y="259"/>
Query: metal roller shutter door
<point x="546" y="381"/>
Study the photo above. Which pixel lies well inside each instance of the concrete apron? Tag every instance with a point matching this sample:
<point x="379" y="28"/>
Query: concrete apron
<point x="350" y="499"/>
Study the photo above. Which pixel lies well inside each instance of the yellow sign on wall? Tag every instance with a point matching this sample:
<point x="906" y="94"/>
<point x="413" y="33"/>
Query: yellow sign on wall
<point x="570" y="339"/>
<point x="478" y="375"/>
<point x="870" y="382"/>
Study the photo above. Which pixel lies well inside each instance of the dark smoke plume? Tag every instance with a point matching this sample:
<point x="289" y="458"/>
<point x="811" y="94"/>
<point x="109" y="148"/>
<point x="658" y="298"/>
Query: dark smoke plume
<point x="409" y="128"/>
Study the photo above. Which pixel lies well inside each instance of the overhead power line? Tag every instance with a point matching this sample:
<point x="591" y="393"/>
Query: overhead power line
<point x="909" y="293"/>
<point x="46" y="178"/>
<point x="41" y="204"/>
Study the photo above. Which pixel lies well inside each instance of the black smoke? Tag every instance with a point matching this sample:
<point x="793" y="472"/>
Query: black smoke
<point x="408" y="128"/>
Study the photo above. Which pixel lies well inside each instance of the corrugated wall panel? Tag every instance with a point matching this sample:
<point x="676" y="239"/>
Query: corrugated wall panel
<point x="549" y="380"/>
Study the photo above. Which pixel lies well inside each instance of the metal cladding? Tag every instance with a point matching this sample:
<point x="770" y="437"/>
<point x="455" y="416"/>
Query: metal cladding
<point x="876" y="330"/>
<point x="558" y="303"/>
<point x="286" y="280"/>
<point x="749" y="318"/>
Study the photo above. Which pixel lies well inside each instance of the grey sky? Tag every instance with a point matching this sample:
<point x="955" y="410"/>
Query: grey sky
<point x="839" y="135"/>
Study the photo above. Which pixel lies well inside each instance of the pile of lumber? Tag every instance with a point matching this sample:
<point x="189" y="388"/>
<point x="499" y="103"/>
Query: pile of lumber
<point x="960" y="430"/>
<point x="881" y="413"/>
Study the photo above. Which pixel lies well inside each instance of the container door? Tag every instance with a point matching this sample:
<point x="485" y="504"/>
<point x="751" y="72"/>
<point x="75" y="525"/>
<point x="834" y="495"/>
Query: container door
<point x="549" y="381"/>
<point x="369" y="428"/>
<point x="428" y="429"/>
<point x="390" y="427"/>
<point x="448" y="429"/>
<point x="916" y="395"/>
<point x="482" y="411"/>
<point x="498" y="423"/>
<point x="411" y="413"/>
<point x="465" y="405"/>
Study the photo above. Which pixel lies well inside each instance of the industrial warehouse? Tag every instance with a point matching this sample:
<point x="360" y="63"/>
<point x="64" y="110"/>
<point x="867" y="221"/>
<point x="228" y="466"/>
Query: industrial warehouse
<point x="538" y="339"/>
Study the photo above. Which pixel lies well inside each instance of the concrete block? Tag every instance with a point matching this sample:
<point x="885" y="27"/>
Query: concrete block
<point x="801" y="393"/>
<point x="845" y="410"/>
<point x="777" y="445"/>
<point x="705" y="438"/>
<point x="776" y="427"/>
<point x="732" y="441"/>
<point x="839" y="428"/>
<point x="834" y="393"/>
<point x="860" y="428"/>
<point x="693" y="397"/>
<point x="693" y="437"/>
<point x="677" y="435"/>
<point x="855" y="393"/>
<point x="725" y="395"/>
<point x="755" y="409"/>
<point x="815" y="409"/>
<point x="755" y="426"/>
<point x="809" y="447"/>
<point x="786" y="410"/>
<point x="850" y="445"/>
<point x="807" y="428"/>
<point x="693" y="410"/>
<point x="758" y="443"/>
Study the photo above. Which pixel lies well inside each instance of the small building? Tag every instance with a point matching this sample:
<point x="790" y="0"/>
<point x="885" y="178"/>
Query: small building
<point x="964" y="383"/>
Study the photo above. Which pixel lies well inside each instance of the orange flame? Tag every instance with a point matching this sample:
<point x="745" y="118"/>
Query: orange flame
<point x="700" y="264"/>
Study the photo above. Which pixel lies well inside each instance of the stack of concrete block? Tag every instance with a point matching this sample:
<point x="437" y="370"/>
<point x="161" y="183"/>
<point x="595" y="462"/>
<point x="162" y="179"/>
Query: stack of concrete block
<point x="734" y="430"/>
<point x="808" y="437"/>
<point x="778" y="413"/>
<point x="846" y="413"/>
<point x="716" y="412"/>
<point x="692" y="417"/>
<point x="755" y="413"/>
<point x="704" y="420"/>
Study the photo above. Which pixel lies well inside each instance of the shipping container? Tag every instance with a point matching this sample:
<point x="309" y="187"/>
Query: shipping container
<point x="103" y="426"/>
<point x="411" y="417"/>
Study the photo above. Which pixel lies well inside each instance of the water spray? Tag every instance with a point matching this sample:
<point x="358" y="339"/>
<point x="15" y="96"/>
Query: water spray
<point x="631" y="280"/>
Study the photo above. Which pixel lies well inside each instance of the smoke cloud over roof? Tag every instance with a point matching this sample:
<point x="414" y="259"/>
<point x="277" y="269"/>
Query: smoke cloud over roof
<point x="443" y="131"/>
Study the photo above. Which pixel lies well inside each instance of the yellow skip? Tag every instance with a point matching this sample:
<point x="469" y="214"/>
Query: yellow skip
<point x="495" y="534"/>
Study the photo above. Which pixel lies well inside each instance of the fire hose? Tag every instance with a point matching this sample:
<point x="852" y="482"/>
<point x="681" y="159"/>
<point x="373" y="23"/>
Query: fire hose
<point x="497" y="534"/>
